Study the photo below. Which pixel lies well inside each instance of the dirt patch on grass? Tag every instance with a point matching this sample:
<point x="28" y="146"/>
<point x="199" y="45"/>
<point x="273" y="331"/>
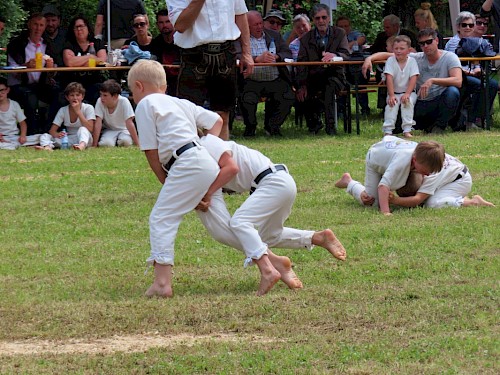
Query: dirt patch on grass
<point x="127" y="344"/>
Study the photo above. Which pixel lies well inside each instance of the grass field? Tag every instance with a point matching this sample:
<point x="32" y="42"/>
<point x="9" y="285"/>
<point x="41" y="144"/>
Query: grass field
<point x="418" y="294"/>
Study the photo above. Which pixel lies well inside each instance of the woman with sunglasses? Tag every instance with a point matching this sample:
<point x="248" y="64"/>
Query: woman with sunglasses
<point x="466" y="22"/>
<point x="142" y="36"/>
<point x="425" y="19"/>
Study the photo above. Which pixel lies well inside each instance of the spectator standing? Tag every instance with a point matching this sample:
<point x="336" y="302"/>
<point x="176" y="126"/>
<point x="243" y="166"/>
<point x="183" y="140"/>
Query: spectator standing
<point x="28" y="89"/>
<point x="54" y="32"/>
<point x="122" y="12"/>
<point x="271" y="82"/>
<point x="142" y="36"/>
<point x="206" y="32"/>
<point x="425" y="19"/>
<point x="492" y="8"/>
<point x="322" y="43"/>
<point x="274" y="20"/>
<point x="165" y="50"/>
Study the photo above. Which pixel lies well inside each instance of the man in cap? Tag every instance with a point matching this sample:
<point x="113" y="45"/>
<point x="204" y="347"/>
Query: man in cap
<point x="54" y="33"/>
<point x="274" y="20"/>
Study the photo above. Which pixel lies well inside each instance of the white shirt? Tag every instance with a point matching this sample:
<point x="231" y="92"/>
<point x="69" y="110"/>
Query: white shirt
<point x="63" y="117"/>
<point x="451" y="169"/>
<point x="166" y="123"/>
<point x="391" y="157"/>
<point x="250" y="162"/>
<point x="30" y="51"/>
<point x="10" y="118"/>
<point x="117" y="119"/>
<point x="215" y="22"/>
<point x="401" y="76"/>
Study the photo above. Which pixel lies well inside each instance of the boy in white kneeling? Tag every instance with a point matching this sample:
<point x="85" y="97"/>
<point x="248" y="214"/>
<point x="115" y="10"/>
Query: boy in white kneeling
<point x="114" y="123"/>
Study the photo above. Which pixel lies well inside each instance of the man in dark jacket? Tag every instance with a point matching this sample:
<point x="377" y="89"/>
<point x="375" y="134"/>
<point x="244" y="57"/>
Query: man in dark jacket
<point x="322" y="43"/>
<point x="271" y="82"/>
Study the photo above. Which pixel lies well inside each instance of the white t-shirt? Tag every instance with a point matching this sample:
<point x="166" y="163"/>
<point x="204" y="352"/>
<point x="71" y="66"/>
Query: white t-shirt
<point x="451" y="169"/>
<point x="62" y="117"/>
<point x="401" y="76"/>
<point x="391" y="158"/>
<point x="117" y="119"/>
<point x="10" y="118"/>
<point x="166" y="123"/>
<point x="250" y="162"/>
<point x="441" y="69"/>
<point x="214" y="24"/>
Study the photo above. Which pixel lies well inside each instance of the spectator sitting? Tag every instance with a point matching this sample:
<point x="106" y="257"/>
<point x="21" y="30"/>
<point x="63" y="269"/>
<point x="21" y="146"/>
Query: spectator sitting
<point x="122" y="13"/>
<point x="437" y="85"/>
<point x="472" y="69"/>
<point x="28" y="89"/>
<point x="481" y="26"/>
<point x="54" y="32"/>
<point x="76" y="53"/>
<point x="425" y="19"/>
<point x="274" y="20"/>
<point x="142" y="36"/>
<point x="11" y="114"/>
<point x="115" y="117"/>
<point x="322" y="43"/>
<point x="165" y="50"/>
<point x="77" y="117"/>
<point x="356" y="40"/>
<point x="271" y="82"/>
<point x="301" y="25"/>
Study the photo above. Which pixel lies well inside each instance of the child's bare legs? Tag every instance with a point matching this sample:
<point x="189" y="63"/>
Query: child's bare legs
<point x="268" y="274"/>
<point x="80" y="146"/>
<point x="476" y="200"/>
<point x="344" y="181"/>
<point x="162" y="284"/>
<point x="284" y="266"/>
<point x="327" y="239"/>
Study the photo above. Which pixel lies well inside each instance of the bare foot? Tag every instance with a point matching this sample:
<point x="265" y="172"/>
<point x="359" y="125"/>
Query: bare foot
<point x="284" y="266"/>
<point x="45" y="148"/>
<point x="327" y="239"/>
<point x="80" y="146"/>
<point x="344" y="181"/>
<point x="156" y="290"/>
<point x="267" y="281"/>
<point x="408" y="135"/>
<point x="477" y="200"/>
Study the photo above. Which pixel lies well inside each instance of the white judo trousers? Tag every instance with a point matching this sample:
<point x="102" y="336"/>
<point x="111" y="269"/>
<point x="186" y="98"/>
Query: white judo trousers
<point x="391" y="114"/>
<point x="452" y="194"/>
<point x="258" y="223"/>
<point x="11" y="142"/>
<point x="112" y="138"/>
<point x="82" y="135"/>
<point x="188" y="180"/>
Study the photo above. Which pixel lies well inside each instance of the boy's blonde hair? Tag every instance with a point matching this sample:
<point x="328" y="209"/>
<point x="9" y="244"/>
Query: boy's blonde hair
<point x="74" y="87"/>
<point x="402" y="38"/>
<point x="147" y="71"/>
<point x="430" y="154"/>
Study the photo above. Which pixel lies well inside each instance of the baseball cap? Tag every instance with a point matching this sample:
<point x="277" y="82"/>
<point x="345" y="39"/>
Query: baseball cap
<point x="275" y="13"/>
<point x="50" y="9"/>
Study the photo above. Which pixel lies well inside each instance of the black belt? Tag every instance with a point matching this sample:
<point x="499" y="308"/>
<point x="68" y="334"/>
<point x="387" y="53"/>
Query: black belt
<point x="210" y="48"/>
<point x="179" y="152"/>
<point x="261" y="175"/>
<point x="463" y="173"/>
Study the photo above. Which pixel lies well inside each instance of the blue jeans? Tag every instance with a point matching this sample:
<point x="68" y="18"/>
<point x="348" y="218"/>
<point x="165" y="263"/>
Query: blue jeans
<point x="475" y="89"/>
<point x="437" y="111"/>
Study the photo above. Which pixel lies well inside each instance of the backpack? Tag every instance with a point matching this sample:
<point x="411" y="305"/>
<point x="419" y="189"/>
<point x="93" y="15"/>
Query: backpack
<point x="474" y="47"/>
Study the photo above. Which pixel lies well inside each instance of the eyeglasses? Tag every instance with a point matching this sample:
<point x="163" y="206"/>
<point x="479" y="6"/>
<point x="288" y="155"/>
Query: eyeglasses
<point x="482" y="23"/>
<point x="321" y="18"/>
<point x="424" y="42"/>
<point x="78" y="27"/>
<point x="139" y="24"/>
<point x="464" y="25"/>
<point x="273" y="22"/>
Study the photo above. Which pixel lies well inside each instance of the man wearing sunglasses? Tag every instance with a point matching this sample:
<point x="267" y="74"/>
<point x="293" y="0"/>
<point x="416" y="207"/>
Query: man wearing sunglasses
<point x="274" y="20"/>
<point x="437" y="85"/>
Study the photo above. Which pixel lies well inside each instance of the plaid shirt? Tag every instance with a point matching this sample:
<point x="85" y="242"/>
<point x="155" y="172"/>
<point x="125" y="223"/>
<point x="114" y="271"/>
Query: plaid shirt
<point x="261" y="73"/>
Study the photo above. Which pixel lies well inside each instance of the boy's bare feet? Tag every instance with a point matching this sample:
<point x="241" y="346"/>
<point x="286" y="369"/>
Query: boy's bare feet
<point x="79" y="146"/>
<point x="267" y="281"/>
<point x="327" y="239"/>
<point x="408" y="135"/>
<point x="477" y="200"/>
<point x="156" y="290"/>
<point x="284" y="266"/>
<point x="162" y="284"/>
<point x="45" y="148"/>
<point x="344" y="181"/>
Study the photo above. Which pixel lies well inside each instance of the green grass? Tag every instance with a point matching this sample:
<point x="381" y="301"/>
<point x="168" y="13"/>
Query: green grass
<point x="418" y="293"/>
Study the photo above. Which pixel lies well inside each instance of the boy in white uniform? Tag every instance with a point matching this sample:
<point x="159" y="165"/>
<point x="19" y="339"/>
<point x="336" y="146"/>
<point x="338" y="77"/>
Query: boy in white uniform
<point x="258" y="223"/>
<point x="114" y="123"/>
<point x="401" y="72"/>
<point x="11" y="114"/>
<point x="168" y="136"/>
<point x="77" y="117"/>
<point x="448" y="188"/>
<point x="388" y="165"/>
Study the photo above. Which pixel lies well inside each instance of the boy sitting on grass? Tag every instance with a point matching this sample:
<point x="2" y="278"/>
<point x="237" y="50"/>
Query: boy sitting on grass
<point x="11" y="114"/>
<point x="77" y="117"/>
<point x="114" y="123"/>
<point x="168" y="136"/>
